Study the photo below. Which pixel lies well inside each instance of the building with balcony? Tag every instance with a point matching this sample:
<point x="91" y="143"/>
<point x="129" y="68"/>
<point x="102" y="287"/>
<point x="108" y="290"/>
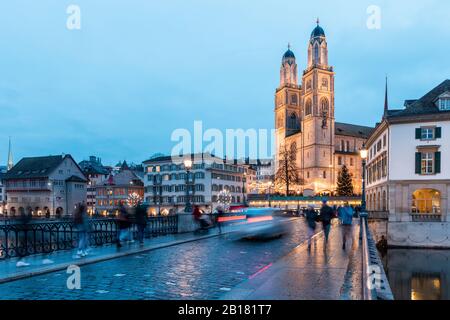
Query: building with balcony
<point x="210" y="182"/>
<point x="408" y="170"/>
<point x="46" y="186"/>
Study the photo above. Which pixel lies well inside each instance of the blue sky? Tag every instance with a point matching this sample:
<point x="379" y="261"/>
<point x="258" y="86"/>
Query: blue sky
<point x="138" y="69"/>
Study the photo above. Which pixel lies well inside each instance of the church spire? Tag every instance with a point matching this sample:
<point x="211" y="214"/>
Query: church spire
<point x="10" y="163"/>
<point x="386" y="102"/>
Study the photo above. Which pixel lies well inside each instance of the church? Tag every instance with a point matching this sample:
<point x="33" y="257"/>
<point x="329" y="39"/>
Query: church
<point x="305" y="123"/>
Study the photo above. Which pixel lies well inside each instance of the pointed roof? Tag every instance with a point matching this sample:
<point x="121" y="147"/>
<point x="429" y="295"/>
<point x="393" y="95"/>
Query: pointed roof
<point x="124" y="165"/>
<point x="10" y="163"/>
<point x="386" y="104"/>
<point x="424" y="105"/>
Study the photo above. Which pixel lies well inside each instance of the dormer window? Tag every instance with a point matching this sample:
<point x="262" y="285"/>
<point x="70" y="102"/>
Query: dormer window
<point x="444" y="104"/>
<point x="443" y="101"/>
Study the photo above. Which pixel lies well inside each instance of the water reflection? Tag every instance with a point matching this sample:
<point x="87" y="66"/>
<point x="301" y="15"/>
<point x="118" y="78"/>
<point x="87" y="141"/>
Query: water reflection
<point x="418" y="274"/>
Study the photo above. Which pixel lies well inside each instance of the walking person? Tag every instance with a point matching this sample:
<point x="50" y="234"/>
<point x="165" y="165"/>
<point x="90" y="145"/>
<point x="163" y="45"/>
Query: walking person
<point x="326" y="214"/>
<point x="345" y="214"/>
<point x="311" y="218"/>
<point x="22" y="245"/>
<point x="219" y="214"/>
<point x="82" y="225"/>
<point x="123" y="224"/>
<point x="141" y="221"/>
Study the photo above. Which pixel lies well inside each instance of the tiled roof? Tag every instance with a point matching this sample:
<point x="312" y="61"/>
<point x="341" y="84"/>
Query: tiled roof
<point x="424" y="105"/>
<point x="76" y="179"/>
<point x="34" y="167"/>
<point x="352" y="130"/>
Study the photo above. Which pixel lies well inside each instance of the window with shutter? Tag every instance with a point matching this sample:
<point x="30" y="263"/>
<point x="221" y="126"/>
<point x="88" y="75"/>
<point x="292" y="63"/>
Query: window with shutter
<point x="418" y="133"/>
<point x="437" y="162"/>
<point x="438" y="132"/>
<point x="418" y="162"/>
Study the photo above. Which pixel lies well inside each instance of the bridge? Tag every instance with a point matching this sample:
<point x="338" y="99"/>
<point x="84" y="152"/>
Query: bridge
<point x="180" y="265"/>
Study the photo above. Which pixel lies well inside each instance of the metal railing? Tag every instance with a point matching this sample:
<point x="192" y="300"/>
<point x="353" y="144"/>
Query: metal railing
<point x="426" y="217"/>
<point x="375" y="285"/>
<point x="18" y="240"/>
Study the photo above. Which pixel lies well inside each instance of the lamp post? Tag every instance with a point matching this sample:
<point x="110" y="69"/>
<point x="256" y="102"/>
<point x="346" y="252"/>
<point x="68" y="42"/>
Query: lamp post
<point x="270" y="193"/>
<point x="50" y="184"/>
<point x="363" y="153"/>
<point x="188" y="167"/>
<point x="244" y="180"/>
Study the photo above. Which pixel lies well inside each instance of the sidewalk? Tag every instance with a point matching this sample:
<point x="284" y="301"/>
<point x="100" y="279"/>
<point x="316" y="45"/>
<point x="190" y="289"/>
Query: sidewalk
<point x="60" y="260"/>
<point x="323" y="273"/>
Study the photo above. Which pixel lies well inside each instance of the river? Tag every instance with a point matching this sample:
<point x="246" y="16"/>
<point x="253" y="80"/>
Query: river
<point x="415" y="274"/>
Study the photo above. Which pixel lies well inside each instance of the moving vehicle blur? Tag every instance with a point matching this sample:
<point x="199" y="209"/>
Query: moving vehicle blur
<point x="262" y="223"/>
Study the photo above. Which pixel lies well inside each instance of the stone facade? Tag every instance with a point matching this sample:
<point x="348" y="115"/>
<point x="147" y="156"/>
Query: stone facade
<point x="408" y="173"/>
<point x="305" y="122"/>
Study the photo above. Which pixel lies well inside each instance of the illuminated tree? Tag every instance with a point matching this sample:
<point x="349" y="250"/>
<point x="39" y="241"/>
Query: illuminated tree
<point x="344" y="183"/>
<point x="287" y="175"/>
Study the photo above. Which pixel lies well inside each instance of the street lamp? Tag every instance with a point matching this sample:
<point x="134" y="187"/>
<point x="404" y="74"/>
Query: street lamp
<point x="363" y="153"/>
<point x="244" y="180"/>
<point x="50" y="184"/>
<point x="188" y="167"/>
<point x="270" y="193"/>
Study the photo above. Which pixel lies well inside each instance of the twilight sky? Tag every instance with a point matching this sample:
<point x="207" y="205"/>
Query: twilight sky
<point x="138" y="69"/>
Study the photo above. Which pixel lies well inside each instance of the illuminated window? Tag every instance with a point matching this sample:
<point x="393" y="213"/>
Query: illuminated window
<point x="427" y="163"/>
<point x="426" y="201"/>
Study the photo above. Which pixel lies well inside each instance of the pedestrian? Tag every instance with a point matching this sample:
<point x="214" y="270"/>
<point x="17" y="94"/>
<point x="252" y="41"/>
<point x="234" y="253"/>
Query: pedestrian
<point x="345" y="214"/>
<point x="22" y="249"/>
<point x="123" y="224"/>
<point x="311" y="218"/>
<point x="219" y="214"/>
<point x="81" y="222"/>
<point x="141" y="221"/>
<point x="198" y="216"/>
<point x="326" y="214"/>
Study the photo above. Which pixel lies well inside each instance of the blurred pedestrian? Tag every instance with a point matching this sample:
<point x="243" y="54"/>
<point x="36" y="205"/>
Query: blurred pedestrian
<point x="123" y="224"/>
<point x="198" y="216"/>
<point x="141" y="221"/>
<point x="326" y="214"/>
<point x="219" y="214"/>
<point x="345" y="214"/>
<point x="311" y="218"/>
<point x="81" y="222"/>
<point x="22" y="249"/>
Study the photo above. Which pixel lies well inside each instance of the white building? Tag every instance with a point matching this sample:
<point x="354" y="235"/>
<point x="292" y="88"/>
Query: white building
<point x="408" y="170"/>
<point x="209" y="177"/>
<point x="97" y="174"/>
<point x="46" y="186"/>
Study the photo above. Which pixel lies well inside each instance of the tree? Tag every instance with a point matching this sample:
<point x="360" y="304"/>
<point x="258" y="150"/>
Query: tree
<point x="287" y="174"/>
<point x="344" y="183"/>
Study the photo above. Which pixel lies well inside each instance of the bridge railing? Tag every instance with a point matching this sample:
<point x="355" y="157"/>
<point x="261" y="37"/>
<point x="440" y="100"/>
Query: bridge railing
<point x="18" y="240"/>
<point x="375" y="285"/>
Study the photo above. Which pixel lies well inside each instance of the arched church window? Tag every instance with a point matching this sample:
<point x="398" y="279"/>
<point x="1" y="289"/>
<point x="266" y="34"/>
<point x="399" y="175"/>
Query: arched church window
<point x="324" y="105"/>
<point x="316" y="54"/>
<point x="293" y="122"/>
<point x="308" y="107"/>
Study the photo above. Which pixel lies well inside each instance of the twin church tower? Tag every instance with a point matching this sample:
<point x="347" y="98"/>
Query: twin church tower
<point x="305" y="123"/>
